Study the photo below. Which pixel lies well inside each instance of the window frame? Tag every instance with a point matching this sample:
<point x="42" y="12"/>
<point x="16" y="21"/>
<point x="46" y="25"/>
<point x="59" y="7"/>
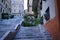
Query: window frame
<point x="47" y="14"/>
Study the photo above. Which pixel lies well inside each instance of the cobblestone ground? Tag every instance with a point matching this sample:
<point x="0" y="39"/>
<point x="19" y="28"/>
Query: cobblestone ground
<point x="32" y="33"/>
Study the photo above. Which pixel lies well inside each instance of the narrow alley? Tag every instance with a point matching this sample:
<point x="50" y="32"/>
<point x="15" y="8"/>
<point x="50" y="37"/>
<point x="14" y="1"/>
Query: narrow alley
<point x="29" y="19"/>
<point x="32" y="33"/>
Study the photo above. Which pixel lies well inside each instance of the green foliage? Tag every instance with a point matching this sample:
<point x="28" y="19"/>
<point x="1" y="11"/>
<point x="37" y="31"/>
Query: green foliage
<point x="25" y="18"/>
<point x="12" y="16"/>
<point x="5" y="15"/>
<point x="25" y="23"/>
<point x="36" y="22"/>
<point x="41" y="20"/>
<point x="35" y="9"/>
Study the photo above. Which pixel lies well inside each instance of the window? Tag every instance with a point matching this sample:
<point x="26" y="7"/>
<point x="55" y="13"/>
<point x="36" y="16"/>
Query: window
<point x="6" y="5"/>
<point x="1" y="9"/>
<point x="47" y="15"/>
<point x="44" y="0"/>
<point x="19" y="11"/>
<point x="2" y="0"/>
<point x="41" y="20"/>
<point x="28" y="5"/>
<point x="10" y="9"/>
<point x="41" y="5"/>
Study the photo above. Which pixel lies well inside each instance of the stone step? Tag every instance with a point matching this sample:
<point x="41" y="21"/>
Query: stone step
<point x="32" y="33"/>
<point x="35" y="39"/>
<point x="31" y="39"/>
<point x="5" y="27"/>
<point x="4" y="35"/>
<point x="13" y="30"/>
<point x="25" y="37"/>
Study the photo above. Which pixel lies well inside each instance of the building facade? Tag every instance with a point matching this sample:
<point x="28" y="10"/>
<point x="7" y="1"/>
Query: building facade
<point x="5" y="7"/>
<point x="17" y="7"/>
<point x="50" y="10"/>
<point x="36" y="8"/>
<point x="29" y="5"/>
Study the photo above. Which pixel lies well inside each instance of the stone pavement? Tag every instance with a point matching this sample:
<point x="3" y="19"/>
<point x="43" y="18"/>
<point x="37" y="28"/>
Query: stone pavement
<point x="8" y="27"/>
<point x="9" y="24"/>
<point x="32" y="33"/>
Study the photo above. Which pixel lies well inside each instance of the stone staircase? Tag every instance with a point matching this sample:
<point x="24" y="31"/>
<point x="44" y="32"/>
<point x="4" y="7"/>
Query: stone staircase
<point x="32" y="33"/>
<point x="8" y="32"/>
<point x="8" y="29"/>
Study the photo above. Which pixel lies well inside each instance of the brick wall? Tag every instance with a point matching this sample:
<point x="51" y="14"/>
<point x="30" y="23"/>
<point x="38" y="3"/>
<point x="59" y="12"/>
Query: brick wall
<point x="53" y="26"/>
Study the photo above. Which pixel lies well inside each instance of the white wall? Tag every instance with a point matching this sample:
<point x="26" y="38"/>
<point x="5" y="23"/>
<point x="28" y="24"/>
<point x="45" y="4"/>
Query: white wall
<point x="45" y="5"/>
<point x="25" y="4"/>
<point x="18" y="5"/>
<point x="30" y="3"/>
